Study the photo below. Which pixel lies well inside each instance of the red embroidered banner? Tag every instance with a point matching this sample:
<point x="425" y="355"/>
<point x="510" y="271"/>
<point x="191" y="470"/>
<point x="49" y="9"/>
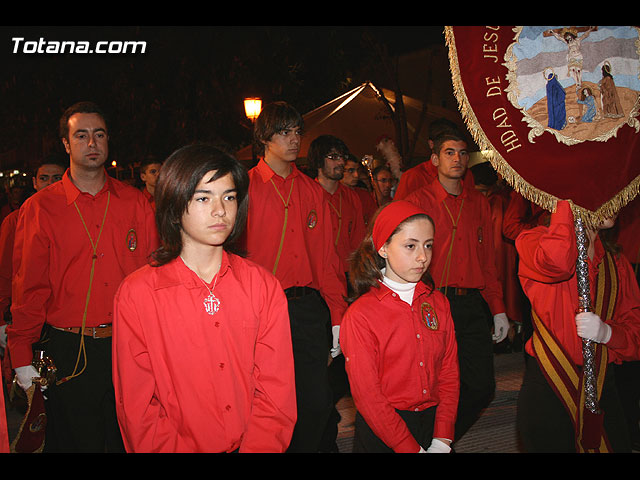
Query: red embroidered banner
<point x="555" y="109"/>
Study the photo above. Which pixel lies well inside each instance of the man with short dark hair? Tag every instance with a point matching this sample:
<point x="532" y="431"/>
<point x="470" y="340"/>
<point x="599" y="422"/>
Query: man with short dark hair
<point x="75" y="242"/>
<point x="149" y="172"/>
<point x="289" y="232"/>
<point x="382" y="184"/>
<point x="50" y="170"/>
<point x="464" y="268"/>
<point x="326" y="158"/>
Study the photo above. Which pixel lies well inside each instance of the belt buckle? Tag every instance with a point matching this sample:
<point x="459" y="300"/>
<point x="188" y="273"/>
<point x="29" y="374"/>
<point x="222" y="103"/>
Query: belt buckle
<point x="94" y="330"/>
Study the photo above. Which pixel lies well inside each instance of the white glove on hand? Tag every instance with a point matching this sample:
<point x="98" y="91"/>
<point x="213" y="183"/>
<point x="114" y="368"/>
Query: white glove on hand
<point x="24" y="376"/>
<point x="3" y="336"/>
<point x="591" y="327"/>
<point x="500" y="327"/>
<point x="335" y="350"/>
<point x="438" y="446"/>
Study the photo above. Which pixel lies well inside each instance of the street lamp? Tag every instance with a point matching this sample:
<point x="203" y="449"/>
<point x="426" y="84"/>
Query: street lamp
<point x="252" y="107"/>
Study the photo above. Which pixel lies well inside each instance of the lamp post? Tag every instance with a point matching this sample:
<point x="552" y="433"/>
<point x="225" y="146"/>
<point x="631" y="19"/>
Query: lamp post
<point x="252" y="108"/>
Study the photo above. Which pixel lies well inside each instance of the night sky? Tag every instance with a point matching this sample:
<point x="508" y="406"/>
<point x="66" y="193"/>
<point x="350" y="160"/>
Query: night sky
<point x="189" y="83"/>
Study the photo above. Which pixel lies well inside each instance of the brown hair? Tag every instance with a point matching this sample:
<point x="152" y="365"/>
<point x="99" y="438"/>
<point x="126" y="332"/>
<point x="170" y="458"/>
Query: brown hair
<point x="274" y="118"/>
<point x="179" y="176"/>
<point x="80" y="107"/>
<point x="365" y="264"/>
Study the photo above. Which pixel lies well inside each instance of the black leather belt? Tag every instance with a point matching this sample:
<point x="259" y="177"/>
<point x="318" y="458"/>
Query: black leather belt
<point x="101" y="331"/>
<point x="297" y="292"/>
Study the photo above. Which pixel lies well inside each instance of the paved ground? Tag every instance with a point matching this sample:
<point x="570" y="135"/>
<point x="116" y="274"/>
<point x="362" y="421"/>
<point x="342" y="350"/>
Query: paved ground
<point x="495" y="430"/>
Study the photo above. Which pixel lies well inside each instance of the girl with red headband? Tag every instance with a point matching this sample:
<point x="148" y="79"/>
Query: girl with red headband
<point x="398" y="339"/>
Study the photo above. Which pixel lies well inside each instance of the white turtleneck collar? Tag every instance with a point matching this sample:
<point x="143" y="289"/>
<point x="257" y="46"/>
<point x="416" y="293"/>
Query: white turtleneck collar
<point x="404" y="290"/>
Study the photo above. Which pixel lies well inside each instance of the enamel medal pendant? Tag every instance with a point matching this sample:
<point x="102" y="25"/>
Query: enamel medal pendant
<point x="211" y="304"/>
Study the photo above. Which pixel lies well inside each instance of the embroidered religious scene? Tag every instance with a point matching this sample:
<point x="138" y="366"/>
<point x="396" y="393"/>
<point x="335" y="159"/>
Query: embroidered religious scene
<point x="579" y="83"/>
<point x="554" y="109"/>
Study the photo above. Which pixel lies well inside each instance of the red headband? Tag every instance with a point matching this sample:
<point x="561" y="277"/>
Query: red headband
<point x="389" y="218"/>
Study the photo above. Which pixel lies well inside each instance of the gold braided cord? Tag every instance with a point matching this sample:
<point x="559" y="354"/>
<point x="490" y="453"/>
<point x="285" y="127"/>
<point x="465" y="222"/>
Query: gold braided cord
<point x="284" y="224"/>
<point x="82" y="352"/>
<point x="339" y="213"/>
<point x="447" y="266"/>
<point x="541" y="198"/>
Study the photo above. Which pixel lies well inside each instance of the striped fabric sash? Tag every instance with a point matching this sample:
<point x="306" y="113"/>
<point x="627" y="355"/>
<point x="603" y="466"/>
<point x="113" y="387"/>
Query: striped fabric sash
<point x="566" y="378"/>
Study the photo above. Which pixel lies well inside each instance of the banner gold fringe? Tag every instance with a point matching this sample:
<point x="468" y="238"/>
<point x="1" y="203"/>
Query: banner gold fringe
<point x="541" y="198"/>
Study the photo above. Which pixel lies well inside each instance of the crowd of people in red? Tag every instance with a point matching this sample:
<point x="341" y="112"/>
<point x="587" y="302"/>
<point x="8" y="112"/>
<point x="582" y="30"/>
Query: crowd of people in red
<point x="222" y="309"/>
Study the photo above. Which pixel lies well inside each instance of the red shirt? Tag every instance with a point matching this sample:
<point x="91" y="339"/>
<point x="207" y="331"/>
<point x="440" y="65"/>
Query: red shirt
<point x="548" y="258"/>
<point x="7" y="235"/>
<point x="150" y="198"/>
<point x="53" y="255"/>
<point x="473" y="258"/>
<point x="347" y="221"/>
<point x="521" y="214"/>
<point x="369" y="204"/>
<point x="394" y="361"/>
<point x="419" y="177"/>
<point x="186" y="381"/>
<point x="308" y="256"/>
<point x="415" y="178"/>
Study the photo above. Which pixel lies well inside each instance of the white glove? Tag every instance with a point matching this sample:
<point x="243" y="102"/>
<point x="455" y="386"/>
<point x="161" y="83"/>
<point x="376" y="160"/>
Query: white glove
<point x="591" y="327"/>
<point x="500" y="327"/>
<point x="3" y="336"/>
<point x="24" y="376"/>
<point x="335" y="350"/>
<point x="438" y="446"/>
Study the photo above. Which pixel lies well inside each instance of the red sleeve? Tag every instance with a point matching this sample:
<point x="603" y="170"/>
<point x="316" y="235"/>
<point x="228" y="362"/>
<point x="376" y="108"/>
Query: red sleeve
<point x="625" y="324"/>
<point x="144" y="424"/>
<point x="492" y="293"/>
<point x="333" y="284"/>
<point x="273" y="410"/>
<point x="31" y="289"/>
<point x="549" y="254"/>
<point x="7" y="236"/>
<point x="360" y="347"/>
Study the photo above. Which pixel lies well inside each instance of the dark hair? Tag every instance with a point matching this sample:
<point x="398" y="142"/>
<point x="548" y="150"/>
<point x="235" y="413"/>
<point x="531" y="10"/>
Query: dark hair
<point x="366" y="264"/>
<point x="179" y="176"/>
<point x="440" y="126"/>
<point x="484" y="174"/>
<point x="148" y="160"/>
<point x="52" y="159"/>
<point x="320" y="148"/>
<point x="439" y="141"/>
<point x="274" y="118"/>
<point x="378" y="169"/>
<point x="80" y="107"/>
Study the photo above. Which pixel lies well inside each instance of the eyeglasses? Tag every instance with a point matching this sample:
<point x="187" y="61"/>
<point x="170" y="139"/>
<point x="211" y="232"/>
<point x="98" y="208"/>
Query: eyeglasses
<point x="335" y="156"/>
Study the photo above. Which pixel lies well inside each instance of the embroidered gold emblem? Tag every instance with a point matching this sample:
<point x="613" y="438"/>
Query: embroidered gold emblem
<point x="429" y="317"/>
<point x="312" y="219"/>
<point x="132" y="240"/>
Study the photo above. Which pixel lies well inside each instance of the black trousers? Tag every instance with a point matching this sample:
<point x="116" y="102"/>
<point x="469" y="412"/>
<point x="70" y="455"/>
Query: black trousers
<point x="473" y="322"/>
<point x="311" y="339"/>
<point x="81" y="414"/>
<point x="420" y="424"/>
<point x="544" y="424"/>
<point x="628" y="383"/>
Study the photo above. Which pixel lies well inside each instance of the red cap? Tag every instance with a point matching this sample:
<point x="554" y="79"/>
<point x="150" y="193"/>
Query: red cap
<point x="392" y="215"/>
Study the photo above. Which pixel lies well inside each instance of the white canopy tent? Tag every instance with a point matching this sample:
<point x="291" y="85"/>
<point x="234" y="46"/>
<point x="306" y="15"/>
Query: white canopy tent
<point x="359" y="117"/>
